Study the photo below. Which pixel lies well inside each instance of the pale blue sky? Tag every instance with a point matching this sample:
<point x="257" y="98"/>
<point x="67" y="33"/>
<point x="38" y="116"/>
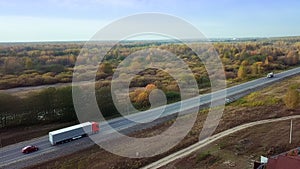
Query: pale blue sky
<point x="63" y="20"/>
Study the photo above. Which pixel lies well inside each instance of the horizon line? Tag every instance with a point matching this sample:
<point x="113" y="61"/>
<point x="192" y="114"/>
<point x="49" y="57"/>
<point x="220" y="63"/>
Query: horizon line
<point x="140" y="40"/>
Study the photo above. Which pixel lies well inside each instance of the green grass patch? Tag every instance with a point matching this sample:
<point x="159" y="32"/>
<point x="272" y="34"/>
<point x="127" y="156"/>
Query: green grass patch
<point x="207" y="158"/>
<point x="257" y="99"/>
<point x="203" y="156"/>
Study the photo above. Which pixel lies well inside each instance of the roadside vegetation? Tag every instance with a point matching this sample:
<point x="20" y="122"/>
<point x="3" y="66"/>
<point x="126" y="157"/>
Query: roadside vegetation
<point x="55" y="105"/>
<point x="292" y="97"/>
<point x="235" y="151"/>
<point x="48" y="106"/>
<point x="30" y="64"/>
<point x="241" y="149"/>
<point x="252" y="100"/>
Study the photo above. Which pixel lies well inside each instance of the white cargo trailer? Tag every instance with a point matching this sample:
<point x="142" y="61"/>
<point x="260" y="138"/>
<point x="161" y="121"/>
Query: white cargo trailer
<point x="73" y="132"/>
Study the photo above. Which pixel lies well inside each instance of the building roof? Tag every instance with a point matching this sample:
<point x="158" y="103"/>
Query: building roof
<point x="284" y="162"/>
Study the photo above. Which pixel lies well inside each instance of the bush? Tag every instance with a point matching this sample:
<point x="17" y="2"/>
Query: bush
<point x="172" y="96"/>
<point x="105" y="102"/>
<point x="256" y="99"/>
<point x="203" y="156"/>
<point x="51" y="68"/>
<point x="292" y="98"/>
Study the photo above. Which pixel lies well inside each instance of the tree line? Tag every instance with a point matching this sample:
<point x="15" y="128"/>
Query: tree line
<point x="47" y="106"/>
<point x="56" y="105"/>
<point x="32" y="64"/>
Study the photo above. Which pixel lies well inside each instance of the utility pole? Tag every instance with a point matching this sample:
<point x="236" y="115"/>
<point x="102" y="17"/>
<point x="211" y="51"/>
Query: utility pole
<point x="291" y="131"/>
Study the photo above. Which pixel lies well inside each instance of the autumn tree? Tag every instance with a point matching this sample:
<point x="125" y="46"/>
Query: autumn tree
<point x="242" y="72"/>
<point x="254" y="69"/>
<point x="270" y="58"/>
<point x="245" y="63"/>
<point x="291" y="98"/>
<point x="28" y="63"/>
<point x="150" y="87"/>
<point x="267" y="61"/>
<point x="104" y="98"/>
<point x="260" y="68"/>
<point x="292" y="58"/>
<point x="9" y="105"/>
<point x="106" y="68"/>
<point x="141" y="96"/>
<point x="134" y="95"/>
<point x="12" y="65"/>
<point x="72" y="59"/>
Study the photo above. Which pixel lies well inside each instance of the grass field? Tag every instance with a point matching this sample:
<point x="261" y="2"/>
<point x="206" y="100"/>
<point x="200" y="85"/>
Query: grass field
<point x="241" y="149"/>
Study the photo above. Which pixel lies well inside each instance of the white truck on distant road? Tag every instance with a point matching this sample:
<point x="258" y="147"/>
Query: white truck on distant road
<point x="73" y="132"/>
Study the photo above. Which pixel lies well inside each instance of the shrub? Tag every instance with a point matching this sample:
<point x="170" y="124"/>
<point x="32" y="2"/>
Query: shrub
<point x="203" y="156"/>
<point x="291" y="98"/>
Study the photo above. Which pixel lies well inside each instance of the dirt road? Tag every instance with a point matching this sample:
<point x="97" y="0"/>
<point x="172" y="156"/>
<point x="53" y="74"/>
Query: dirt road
<point x="183" y="153"/>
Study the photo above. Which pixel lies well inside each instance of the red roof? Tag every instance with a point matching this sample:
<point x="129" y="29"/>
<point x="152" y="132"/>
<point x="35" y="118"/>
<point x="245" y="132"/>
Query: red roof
<point x="284" y="162"/>
<point x="272" y="163"/>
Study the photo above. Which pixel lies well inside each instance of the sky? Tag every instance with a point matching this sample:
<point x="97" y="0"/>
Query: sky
<point x="72" y="20"/>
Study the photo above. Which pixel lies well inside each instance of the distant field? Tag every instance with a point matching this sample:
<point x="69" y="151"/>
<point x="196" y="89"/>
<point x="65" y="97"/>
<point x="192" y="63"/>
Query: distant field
<point x="34" y="64"/>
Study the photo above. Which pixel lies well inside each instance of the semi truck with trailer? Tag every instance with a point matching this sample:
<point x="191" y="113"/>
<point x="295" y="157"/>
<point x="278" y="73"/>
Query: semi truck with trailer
<point x="73" y="132"/>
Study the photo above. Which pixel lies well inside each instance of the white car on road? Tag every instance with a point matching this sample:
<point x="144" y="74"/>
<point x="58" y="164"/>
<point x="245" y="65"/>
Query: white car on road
<point x="270" y="75"/>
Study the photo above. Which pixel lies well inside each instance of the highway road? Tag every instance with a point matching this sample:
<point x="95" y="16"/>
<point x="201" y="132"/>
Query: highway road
<point x="11" y="157"/>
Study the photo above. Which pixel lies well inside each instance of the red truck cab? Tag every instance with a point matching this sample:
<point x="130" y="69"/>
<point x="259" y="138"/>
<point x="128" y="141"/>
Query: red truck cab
<point x="95" y="127"/>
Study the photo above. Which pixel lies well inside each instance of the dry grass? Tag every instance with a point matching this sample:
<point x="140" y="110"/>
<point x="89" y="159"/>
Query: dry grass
<point x="240" y="149"/>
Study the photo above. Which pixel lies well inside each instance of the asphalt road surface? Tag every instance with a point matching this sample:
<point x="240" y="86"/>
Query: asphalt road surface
<point x="11" y="156"/>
